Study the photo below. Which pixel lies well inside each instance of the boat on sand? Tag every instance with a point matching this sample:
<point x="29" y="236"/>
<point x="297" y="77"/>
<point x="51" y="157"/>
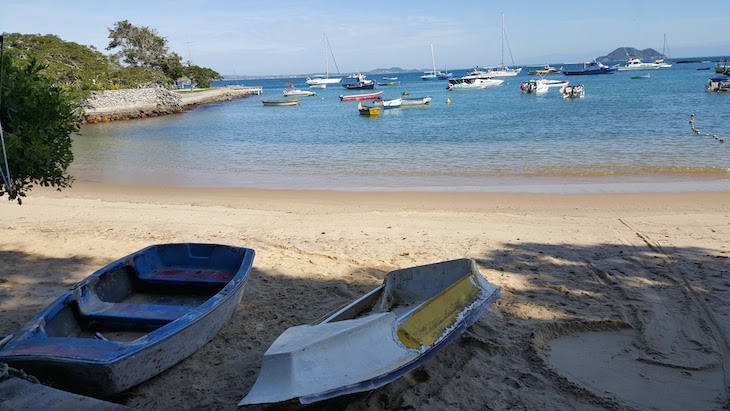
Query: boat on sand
<point x="376" y="339"/>
<point x="133" y="318"/>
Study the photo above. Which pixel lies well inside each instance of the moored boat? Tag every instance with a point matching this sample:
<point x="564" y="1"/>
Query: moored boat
<point x="576" y="91"/>
<point x="435" y="74"/>
<point x="501" y="70"/>
<point x="546" y="69"/>
<point x="390" y="84"/>
<point x="719" y="84"/>
<point x="534" y="87"/>
<point x="636" y="64"/>
<point x="593" y="67"/>
<point x="473" y="81"/>
<point x="367" y="110"/>
<point x="722" y="67"/>
<point x="280" y="102"/>
<point x="133" y="318"/>
<point x="361" y="83"/>
<point x="376" y="339"/>
<point x="643" y="76"/>
<point x="356" y="97"/>
<point x="321" y="81"/>
<point x="388" y="104"/>
<point x="299" y="93"/>
<point x="415" y="101"/>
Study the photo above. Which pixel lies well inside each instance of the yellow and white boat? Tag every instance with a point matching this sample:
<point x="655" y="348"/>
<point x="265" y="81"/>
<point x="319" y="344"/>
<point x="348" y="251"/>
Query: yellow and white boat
<point x="376" y="339"/>
<point x="367" y="110"/>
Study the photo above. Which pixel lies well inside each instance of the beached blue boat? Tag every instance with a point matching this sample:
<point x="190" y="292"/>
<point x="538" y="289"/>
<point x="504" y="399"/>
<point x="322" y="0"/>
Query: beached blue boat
<point x="132" y="319"/>
<point x="376" y="339"/>
<point x="593" y="67"/>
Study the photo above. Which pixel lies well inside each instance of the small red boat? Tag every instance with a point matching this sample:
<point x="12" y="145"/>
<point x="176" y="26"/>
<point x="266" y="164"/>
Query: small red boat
<point x="355" y="97"/>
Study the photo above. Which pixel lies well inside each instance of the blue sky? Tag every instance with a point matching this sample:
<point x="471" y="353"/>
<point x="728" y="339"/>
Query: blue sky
<point x="285" y="37"/>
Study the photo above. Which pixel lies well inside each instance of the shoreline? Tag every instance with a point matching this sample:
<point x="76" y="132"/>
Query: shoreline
<point x="632" y="277"/>
<point x="112" y="105"/>
<point x="433" y="200"/>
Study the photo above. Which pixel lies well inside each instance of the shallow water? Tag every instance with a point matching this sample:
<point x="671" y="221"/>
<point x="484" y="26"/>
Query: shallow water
<point x="625" y="133"/>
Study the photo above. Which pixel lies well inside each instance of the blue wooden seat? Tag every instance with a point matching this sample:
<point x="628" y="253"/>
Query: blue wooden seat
<point x="188" y="276"/>
<point x="142" y="315"/>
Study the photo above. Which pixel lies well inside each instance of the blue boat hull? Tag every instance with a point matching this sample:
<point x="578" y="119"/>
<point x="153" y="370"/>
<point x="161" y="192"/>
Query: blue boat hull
<point x="359" y="86"/>
<point x="133" y="319"/>
<point x="609" y="70"/>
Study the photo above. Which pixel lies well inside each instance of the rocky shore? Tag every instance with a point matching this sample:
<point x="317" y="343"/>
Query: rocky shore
<point x="111" y="105"/>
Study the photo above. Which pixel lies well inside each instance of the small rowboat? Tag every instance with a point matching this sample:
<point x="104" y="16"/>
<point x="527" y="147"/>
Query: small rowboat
<point x="376" y="339"/>
<point x="356" y="97"/>
<point x="388" y="104"/>
<point x="280" y="102"/>
<point x="641" y="77"/>
<point x="367" y="110"/>
<point x="132" y="319"/>
<point x="390" y="84"/>
<point x="415" y="101"/>
<point x="298" y="93"/>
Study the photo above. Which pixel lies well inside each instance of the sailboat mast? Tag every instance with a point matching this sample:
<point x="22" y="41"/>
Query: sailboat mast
<point x="433" y="60"/>
<point x="502" y="67"/>
<point x="326" y="60"/>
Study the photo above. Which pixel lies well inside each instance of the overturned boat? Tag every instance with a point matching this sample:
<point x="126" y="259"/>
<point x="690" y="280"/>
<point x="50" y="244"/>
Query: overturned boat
<point x="373" y="341"/>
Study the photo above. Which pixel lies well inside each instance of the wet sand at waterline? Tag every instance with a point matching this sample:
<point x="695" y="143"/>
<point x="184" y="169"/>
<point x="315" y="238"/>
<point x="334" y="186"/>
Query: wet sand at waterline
<point x="615" y="301"/>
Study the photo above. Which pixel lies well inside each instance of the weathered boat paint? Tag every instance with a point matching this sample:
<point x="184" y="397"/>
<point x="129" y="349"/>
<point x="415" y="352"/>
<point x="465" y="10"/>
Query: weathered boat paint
<point x="53" y="345"/>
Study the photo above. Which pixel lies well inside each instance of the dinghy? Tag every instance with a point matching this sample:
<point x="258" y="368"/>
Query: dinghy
<point x="132" y="319"/>
<point x="378" y="338"/>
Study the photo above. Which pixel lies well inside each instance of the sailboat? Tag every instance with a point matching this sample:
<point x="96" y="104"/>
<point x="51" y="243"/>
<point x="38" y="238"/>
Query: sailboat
<point x="322" y="81"/>
<point x="435" y="74"/>
<point x="665" y="49"/>
<point x="501" y="70"/>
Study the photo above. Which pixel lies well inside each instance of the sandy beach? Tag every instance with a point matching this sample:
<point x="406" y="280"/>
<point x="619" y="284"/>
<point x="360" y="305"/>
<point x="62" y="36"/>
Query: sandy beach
<point x="609" y="301"/>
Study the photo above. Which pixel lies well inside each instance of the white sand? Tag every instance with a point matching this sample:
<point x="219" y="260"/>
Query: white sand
<point x="608" y="300"/>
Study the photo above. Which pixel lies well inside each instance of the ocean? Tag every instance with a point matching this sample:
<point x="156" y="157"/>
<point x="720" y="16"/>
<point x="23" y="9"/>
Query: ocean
<point x="625" y="135"/>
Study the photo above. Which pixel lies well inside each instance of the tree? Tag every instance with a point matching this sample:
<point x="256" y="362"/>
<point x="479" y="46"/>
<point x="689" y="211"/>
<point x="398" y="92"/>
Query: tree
<point x="202" y="76"/>
<point x="72" y="65"/>
<point x="139" y="46"/>
<point x="37" y="118"/>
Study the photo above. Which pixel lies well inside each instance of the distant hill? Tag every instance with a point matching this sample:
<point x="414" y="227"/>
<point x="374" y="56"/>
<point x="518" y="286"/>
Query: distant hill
<point x="620" y="55"/>
<point x="389" y="70"/>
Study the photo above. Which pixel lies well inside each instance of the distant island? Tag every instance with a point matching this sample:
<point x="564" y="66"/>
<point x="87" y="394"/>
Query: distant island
<point x="620" y="54"/>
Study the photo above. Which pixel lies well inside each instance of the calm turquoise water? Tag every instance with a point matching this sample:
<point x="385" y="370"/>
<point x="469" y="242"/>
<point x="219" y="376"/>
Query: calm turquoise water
<point x="624" y="132"/>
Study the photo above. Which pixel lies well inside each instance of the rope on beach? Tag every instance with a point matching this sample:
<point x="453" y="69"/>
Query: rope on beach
<point x="696" y="131"/>
<point x="7" y="371"/>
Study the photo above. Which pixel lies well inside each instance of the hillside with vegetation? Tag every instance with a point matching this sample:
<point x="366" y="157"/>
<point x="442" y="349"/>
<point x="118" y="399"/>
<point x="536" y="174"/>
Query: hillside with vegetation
<point x="624" y="53"/>
<point x="139" y="58"/>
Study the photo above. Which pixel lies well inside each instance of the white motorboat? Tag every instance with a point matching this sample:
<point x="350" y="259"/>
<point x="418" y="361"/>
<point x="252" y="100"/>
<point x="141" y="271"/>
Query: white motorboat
<point x="388" y="104"/>
<point x="577" y="91"/>
<point x="298" y="93"/>
<point x="636" y="64"/>
<point x="324" y="79"/>
<point x="473" y="81"/>
<point x="541" y="86"/>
